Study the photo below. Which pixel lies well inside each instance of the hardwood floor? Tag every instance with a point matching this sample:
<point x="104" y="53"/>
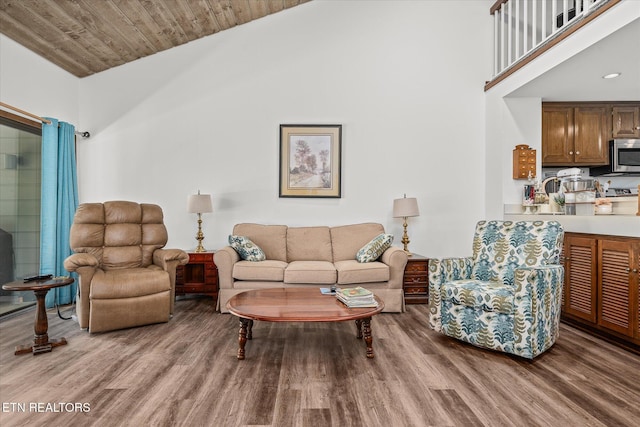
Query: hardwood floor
<point x="185" y="373"/>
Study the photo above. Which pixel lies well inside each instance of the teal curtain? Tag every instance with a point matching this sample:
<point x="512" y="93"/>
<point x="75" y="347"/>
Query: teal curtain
<point x="59" y="201"/>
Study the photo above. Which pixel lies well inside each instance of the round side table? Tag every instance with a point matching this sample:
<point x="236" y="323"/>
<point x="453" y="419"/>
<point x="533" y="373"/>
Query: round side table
<point x="41" y="341"/>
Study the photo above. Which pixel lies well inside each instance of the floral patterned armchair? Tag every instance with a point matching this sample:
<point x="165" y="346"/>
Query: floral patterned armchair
<point x="506" y="296"/>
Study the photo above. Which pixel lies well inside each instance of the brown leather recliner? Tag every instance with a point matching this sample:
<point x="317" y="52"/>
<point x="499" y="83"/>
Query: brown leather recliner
<point x="125" y="279"/>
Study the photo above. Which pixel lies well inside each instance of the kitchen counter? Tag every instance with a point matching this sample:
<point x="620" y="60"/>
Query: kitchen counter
<point x="615" y="225"/>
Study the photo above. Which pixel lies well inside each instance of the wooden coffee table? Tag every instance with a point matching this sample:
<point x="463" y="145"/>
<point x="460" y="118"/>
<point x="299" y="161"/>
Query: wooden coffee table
<point x="298" y="305"/>
<point x="41" y="341"/>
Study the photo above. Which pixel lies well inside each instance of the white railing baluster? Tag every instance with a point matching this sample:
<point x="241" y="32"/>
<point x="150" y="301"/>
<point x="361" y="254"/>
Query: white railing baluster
<point x="517" y="30"/>
<point x="510" y="36"/>
<point x="526" y="25"/>
<point x="565" y="12"/>
<point x="554" y="13"/>
<point x="543" y="19"/>
<point x="496" y="45"/>
<point x="503" y="37"/>
<point x="534" y="23"/>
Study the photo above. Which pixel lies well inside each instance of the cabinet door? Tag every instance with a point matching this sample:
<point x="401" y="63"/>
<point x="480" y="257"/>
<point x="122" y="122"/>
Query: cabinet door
<point x="591" y="135"/>
<point x="616" y="309"/>
<point x="557" y="135"/>
<point x="635" y="288"/>
<point x="626" y="121"/>
<point x="580" y="277"/>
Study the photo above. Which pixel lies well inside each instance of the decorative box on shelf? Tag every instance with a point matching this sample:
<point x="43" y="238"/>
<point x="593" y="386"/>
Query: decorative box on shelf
<point x="524" y="162"/>
<point x="198" y="276"/>
<point x="416" y="280"/>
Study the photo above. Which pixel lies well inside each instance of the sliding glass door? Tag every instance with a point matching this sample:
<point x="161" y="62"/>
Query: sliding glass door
<point x="20" y="175"/>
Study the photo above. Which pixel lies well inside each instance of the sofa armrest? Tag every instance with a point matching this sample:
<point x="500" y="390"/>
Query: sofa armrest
<point x="538" y="298"/>
<point x="442" y="271"/>
<point x="396" y="259"/>
<point x="225" y="258"/>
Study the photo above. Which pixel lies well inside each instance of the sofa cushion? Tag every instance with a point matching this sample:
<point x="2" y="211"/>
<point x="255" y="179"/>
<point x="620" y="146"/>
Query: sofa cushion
<point x="318" y="272"/>
<point x="309" y="244"/>
<point x="272" y="239"/>
<point x="352" y="271"/>
<point x="347" y="240"/>
<point x="247" y="250"/>
<point x="486" y="296"/>
<point x="268" y="270"/>
<point x="375" y="248"/>
<point x="118" y="283"/>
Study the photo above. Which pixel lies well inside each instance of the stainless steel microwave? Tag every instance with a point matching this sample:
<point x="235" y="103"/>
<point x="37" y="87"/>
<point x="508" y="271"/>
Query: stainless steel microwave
<point x="624" y="158"/>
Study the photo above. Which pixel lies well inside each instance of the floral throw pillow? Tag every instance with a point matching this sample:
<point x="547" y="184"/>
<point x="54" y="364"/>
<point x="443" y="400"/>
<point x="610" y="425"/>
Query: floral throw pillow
<point x="375" y="248"/>
<point x="247" y="250"/>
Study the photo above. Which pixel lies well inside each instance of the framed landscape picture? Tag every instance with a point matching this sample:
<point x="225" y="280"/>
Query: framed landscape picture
<point x="310" y="160"/>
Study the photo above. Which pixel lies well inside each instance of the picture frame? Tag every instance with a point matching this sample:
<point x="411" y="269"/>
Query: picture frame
<point x="311" y="161"/>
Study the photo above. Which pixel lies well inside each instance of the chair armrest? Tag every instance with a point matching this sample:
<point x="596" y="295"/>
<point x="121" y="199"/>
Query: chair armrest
<point x="442" y="271"/>
<point x="85" y="265"/>
<point x="538" y="299"/>
<point x="168" y="260"/>
<point x="79" y="260"/>
<point x="162" y="257"/>
<point x="225" y="259"/>
<point x="396" y="259"/>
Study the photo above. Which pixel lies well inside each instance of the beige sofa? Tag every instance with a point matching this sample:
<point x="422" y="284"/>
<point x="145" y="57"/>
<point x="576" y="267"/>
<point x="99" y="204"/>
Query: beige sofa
<point x="311" y="256"/>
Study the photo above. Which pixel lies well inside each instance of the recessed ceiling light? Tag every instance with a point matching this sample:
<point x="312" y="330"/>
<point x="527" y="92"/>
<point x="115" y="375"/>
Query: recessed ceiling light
<point x="611" y="76"/>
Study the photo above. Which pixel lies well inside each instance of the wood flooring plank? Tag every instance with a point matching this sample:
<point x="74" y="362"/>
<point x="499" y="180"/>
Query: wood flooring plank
<point x="185" y="373"/>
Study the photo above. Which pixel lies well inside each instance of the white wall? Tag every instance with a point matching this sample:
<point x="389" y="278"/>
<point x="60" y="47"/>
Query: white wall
<point x="399" y="77"/>
<point x="33" y="84"/>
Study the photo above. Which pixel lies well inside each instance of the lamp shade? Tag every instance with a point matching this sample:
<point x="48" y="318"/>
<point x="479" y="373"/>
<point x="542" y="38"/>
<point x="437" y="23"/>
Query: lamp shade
<point x="407" y="206"/>
<point x="199" y="203"/>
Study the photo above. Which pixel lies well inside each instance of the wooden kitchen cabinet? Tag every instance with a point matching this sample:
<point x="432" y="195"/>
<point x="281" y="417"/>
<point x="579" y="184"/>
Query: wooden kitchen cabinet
<point x="591" y="135"/>
<point x="618" y="307"/>
<point x="557" y="135"/>
<point x="625" y="121"/>
<point x="601" y="288"/>
<point x="575" y="135"/>
<point x="580" y="290"/>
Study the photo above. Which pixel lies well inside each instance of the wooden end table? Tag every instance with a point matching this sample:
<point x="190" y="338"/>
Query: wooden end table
<point x="298" y="305"/>
<point x="415" y="283"/>
<point x="41" y="341"/>
<point x="198" y="276"/>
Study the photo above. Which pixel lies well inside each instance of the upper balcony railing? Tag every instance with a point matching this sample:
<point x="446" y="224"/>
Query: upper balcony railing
<point x="523" y="28"/>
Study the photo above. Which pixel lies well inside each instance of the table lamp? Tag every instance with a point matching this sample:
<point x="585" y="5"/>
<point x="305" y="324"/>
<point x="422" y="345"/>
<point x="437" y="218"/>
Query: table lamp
<point x="404" y="208"/>
<point x="199" y="203"/>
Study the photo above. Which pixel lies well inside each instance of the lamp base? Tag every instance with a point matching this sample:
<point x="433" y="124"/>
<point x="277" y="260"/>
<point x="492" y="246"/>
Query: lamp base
<point x="405" y="238"/>
<point x="200" y="236"/>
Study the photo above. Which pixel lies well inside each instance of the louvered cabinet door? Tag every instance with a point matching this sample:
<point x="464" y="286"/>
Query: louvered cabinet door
<point x="580" y="277"/>
<point x="616" y="305"/>
<point x="635" y="286"/>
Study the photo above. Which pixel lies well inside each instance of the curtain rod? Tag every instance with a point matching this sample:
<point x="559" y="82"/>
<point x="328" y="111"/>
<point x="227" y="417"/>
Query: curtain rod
<point x="25" y="113"/>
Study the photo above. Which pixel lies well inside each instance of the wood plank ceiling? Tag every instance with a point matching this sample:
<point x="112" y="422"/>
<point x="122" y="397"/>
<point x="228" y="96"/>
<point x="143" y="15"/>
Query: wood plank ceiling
<point x="88" y="36"/>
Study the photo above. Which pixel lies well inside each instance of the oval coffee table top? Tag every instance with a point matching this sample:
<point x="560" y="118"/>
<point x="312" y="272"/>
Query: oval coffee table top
<point x="296" y="305"/>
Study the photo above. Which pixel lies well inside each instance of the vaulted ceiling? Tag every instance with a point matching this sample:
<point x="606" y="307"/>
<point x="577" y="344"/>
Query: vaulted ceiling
<point x="88" y="36"/>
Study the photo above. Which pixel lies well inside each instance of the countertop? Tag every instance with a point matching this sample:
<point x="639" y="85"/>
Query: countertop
<point x="616" y="225"/>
